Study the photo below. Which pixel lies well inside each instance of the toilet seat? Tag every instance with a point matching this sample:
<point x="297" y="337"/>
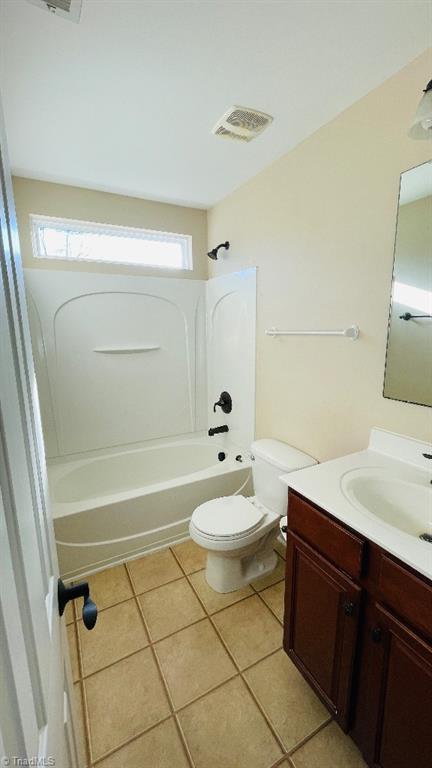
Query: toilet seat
<point x="227" y="518"/>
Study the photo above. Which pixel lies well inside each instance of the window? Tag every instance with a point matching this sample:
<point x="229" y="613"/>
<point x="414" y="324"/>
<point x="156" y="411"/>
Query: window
<point x="84" y="241"/>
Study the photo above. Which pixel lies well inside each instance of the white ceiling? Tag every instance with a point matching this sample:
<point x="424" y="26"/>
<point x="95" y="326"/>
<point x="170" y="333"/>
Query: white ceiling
<point x="126" y="99"/>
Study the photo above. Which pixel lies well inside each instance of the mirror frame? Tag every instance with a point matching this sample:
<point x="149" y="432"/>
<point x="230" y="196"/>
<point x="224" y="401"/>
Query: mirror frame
<point x="398" y="399"/>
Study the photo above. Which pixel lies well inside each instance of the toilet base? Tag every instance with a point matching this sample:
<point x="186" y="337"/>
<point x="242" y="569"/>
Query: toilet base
<point x="229" y="571"/>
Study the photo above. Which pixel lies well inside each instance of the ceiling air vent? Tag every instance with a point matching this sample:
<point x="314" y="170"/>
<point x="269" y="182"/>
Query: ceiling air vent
<point x="241" y="124"/>
<point x="68" y="9"/>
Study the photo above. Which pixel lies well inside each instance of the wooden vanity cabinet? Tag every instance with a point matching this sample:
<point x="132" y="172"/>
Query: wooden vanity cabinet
<point x="321" y="624"/>
<point x="393" y="724"/>
<point x="358" y="625"/>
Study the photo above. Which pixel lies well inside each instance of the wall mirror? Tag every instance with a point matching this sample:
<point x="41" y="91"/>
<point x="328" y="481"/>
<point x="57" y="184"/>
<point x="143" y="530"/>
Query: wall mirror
<point x="408" y="370"/>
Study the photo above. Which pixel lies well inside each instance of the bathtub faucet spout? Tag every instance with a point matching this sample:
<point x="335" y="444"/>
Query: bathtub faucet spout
<point x="217" y="430"/>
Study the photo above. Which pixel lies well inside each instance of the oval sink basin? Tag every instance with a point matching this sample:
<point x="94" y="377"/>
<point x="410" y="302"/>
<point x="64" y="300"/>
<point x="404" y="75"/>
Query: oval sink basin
<point x="404" y="503"/>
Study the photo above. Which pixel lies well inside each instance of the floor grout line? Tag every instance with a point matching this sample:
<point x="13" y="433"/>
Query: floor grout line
<point x="78" y="650"/>
<point x="111" y="663"/>
<point x="219" y="610"/>
<point x="72" y="608"/>
<point x="162" y="676"/>
<point x="86" y="676"/>
<point x="80" y="681"/>
<point x="224" y="643"/>
<point x="87" y="724"/>
<point x="183" y="740"/>
<point x="264" y="714"/>
<point x="131" y="739"/>
<point x="174" y="632"/>
<point x="87" y="730"/>
<point x="141" y="613"/>
<point x="94" y="761"/>
<point x="310" y="736"/>
<point x="132" y="595"/>
<point x="185" y="573"/>
<point x="240" y="671"/>
<point x="108" y="607"/>
<point x="268" y="606"/>
<point x="262" y="658"/>
<point x="137" y="593"/>
<point x="202" y="695"/>
<point x="281" y="761"/>
<point x="215" y="627"/>
<point x="176" y="711"/>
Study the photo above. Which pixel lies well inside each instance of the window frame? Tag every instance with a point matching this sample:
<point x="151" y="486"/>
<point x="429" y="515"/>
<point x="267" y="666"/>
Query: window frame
<point x="77" y="225"/>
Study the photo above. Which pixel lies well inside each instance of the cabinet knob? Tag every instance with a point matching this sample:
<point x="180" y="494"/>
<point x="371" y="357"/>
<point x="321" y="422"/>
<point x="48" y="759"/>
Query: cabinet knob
<point x="376" y="634"/>
<point x="349" y="608"/>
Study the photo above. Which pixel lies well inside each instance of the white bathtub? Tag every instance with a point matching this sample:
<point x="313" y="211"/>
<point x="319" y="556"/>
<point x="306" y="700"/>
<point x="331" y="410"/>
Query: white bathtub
<point x="112" y="507"/>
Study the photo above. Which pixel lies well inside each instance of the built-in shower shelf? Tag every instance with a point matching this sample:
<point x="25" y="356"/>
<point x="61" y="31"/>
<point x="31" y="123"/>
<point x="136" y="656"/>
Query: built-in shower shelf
<point x="125" y="350"/>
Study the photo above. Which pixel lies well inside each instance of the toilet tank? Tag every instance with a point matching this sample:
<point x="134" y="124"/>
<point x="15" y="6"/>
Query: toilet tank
<point x="273" y="459"/>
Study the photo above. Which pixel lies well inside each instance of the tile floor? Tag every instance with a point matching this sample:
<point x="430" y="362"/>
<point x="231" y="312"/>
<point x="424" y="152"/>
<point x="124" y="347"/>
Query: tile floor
<point x="175" y="675"/>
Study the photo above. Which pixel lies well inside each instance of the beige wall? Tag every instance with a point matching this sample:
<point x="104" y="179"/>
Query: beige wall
<point x="41" y="197"/>
<point x="320" y="225"/>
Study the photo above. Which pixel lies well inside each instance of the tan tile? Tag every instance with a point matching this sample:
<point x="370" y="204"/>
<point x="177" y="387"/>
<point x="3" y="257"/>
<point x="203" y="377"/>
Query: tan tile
<point x="124" y="700"/>
<point x="287" y="699"/>
<point x="170" y="608"/>
<point x="159" y="748"/>
<point x="274" y="597"/>
<point x="215" y="601"/>
<point x="119" y="631"/>
<point x="154" y="570"/>
<point x="226" y="728"/>
<point x="73" y="652"/>
<point x="78" y="706"/>
<point x="330" y="748"/>
<point x="193" y="661"/>
<point x="280" y="548"/>
<point x="109" y="587"/>
<point x="191" y="557"/>
<point x="69" y="613"/>
<point x="271" y="578"/>
<point x="250" y="630"/>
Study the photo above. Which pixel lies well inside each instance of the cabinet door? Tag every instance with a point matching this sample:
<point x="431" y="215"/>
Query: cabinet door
<point x="322" y="608"/>
<point x="400" y="694"/>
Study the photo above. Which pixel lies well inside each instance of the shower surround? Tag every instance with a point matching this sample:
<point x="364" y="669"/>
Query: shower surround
<point x="128" y="369"/>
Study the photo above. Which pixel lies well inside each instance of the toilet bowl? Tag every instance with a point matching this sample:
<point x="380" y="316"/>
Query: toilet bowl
<point x="239" y="533"/>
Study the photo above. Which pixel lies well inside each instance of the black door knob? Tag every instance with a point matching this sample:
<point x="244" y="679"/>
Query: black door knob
<point x="376" y="634"/>
<point x="65" y="594"/>
<point x="89" y="613"/>
<point x="348" y="608"/>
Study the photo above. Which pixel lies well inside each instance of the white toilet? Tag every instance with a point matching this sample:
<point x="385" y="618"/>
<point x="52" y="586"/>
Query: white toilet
<point x="237" y="532"/>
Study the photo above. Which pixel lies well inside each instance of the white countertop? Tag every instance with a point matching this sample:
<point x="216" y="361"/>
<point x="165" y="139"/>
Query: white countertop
<point x="321" y="484"/>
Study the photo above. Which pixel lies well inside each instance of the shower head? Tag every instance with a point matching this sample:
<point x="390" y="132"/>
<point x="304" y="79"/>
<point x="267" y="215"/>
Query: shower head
<point x="213" y="254"/>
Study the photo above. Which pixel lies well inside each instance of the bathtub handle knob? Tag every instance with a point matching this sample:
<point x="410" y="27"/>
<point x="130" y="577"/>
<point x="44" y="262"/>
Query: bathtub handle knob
<point x="224" y="402"/>
<point x="65" y="594"/>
